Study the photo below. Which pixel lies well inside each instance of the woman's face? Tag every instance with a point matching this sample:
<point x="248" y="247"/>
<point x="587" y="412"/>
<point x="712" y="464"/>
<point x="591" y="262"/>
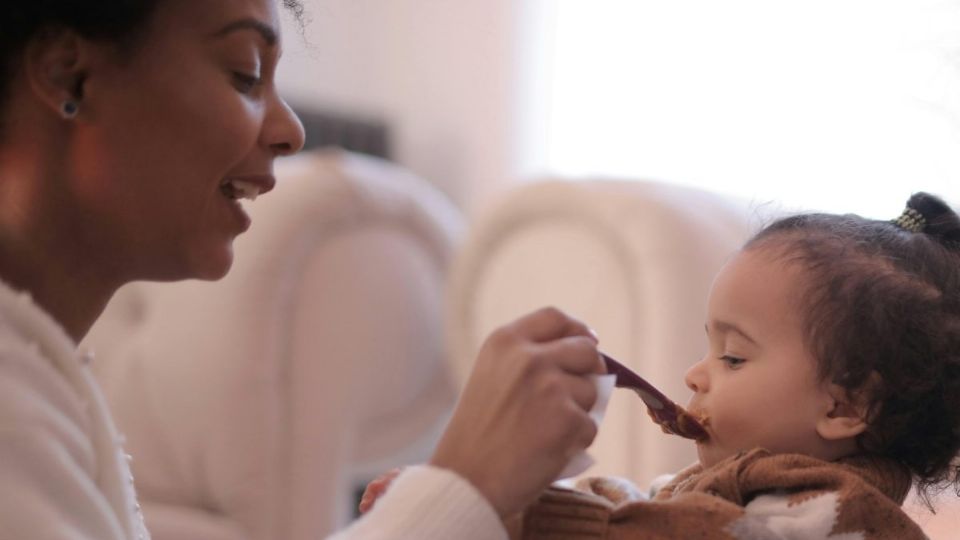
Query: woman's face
<point x="162" y="129"/>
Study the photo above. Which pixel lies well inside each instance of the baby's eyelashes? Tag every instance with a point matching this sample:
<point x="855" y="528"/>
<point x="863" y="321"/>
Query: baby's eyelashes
<point x="732" y="361"/>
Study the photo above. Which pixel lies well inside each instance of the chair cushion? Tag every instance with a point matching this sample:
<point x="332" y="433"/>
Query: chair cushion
<point x="632" y="259"/>
<point x="264" y="397"/>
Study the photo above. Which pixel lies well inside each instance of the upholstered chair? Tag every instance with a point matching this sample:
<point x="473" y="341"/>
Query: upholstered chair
<point x="257" y="406"/>
<point x="632" y="259"/>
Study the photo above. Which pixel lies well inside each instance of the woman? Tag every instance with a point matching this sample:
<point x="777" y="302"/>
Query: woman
<point x="129" y="129"/>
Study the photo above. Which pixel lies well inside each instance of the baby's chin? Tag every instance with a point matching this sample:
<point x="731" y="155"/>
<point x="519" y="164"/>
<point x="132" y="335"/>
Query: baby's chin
<point x="709" y="454"/>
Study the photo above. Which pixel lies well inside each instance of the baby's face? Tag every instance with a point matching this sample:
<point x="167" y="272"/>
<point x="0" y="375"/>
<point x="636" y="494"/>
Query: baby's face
<point x="757" y="383"/>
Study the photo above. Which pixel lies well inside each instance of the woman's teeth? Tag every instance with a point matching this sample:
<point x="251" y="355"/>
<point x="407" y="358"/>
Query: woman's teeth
<point x="239" y="189"/>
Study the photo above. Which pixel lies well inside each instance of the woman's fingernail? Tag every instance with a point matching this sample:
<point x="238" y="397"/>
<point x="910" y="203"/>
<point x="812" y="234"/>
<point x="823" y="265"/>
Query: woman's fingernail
<point x="594" y="334"/>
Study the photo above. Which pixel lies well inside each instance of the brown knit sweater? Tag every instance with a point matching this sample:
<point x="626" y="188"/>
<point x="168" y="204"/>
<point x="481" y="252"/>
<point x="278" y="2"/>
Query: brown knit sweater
<point x="752" y="496"/>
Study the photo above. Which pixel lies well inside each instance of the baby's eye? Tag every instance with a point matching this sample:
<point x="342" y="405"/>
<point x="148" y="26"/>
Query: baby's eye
<point x="732" y="361"/>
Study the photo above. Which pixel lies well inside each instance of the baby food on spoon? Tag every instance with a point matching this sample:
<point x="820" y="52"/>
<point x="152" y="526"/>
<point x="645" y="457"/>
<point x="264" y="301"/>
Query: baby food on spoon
<point x="671" y="418"/>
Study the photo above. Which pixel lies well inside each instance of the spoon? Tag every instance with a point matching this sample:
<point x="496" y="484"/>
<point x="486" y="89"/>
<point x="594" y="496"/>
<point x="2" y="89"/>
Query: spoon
<point x="671" y="417"/>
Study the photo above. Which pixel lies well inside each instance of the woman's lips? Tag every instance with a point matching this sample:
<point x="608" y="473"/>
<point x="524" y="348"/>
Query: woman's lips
<point x="255" y="184"/>
<point x="248" y="186"/>
<point x="239" y="215"/>
<point x="265" y="182"/>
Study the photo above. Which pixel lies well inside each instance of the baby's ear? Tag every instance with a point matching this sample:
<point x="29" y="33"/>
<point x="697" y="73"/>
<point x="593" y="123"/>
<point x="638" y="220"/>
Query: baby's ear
<point x="846" y="415"/>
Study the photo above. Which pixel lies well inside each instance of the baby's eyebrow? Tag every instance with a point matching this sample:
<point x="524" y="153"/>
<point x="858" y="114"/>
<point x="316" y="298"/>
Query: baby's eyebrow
<point x="725" y="326"/>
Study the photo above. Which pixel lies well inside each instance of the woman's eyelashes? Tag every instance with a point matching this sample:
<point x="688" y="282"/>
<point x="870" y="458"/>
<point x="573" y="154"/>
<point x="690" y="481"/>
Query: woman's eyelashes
<point x="246" y="83"/>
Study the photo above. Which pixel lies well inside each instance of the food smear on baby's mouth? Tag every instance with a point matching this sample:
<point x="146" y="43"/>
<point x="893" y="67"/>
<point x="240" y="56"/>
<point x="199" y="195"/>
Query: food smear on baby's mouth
<point x="689" y="425"/>
<point x="682" y="423"/>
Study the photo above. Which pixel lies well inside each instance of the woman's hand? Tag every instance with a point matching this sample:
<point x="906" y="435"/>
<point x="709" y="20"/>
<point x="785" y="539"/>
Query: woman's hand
<point x="523" y="413"/>
<point x="377" y="488"/>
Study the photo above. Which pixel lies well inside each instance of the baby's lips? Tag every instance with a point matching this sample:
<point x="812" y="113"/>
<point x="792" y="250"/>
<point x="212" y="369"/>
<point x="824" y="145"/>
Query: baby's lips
<point x="703" y="419"/>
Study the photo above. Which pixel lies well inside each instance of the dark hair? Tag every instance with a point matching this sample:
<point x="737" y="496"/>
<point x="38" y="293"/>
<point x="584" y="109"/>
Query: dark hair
<point x="882" y="300"/>
<point x="119" y="21"/>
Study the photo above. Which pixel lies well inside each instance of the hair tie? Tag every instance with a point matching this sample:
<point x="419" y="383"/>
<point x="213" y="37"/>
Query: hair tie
<point x="911" y="221"/>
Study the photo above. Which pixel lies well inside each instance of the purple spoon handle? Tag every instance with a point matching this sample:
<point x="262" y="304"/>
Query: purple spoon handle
<point x="670" y="416"/>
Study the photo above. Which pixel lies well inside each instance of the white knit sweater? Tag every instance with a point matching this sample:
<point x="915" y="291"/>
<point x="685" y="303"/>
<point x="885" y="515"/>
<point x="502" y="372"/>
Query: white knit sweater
<point x="64" y="474"/>
<point x="427" y="503"/>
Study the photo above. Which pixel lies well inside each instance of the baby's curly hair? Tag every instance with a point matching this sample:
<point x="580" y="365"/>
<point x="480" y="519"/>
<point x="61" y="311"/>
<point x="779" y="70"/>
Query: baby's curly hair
<point x="884" y="301"/>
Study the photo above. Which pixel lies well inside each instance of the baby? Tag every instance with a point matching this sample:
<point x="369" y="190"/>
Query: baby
<point x="831" y="384"/>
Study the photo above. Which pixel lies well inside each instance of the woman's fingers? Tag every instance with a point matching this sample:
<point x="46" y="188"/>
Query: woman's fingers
<point x="574" y="354"/>
<point x="549" y="323"/>
<point x="567" y="382"/>
<point x="523" y="413"/>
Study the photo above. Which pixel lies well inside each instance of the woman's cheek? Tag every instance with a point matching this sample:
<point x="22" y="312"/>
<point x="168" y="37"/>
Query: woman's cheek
<point x="240" y="128"/>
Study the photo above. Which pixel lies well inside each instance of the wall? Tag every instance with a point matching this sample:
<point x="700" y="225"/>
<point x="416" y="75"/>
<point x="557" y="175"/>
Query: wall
<point x="442" y="73"/>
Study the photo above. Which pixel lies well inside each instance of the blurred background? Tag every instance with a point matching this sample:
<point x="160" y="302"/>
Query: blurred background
<point x="839" y="105"/>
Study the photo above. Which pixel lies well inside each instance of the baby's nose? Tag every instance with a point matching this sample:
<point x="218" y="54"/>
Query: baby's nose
<point x="696" y="377"/>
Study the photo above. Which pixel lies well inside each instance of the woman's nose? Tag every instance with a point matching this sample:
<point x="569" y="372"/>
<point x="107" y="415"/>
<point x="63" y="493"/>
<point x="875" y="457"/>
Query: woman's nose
<point x="696" y="377"/>
<point x="282" y="129"/>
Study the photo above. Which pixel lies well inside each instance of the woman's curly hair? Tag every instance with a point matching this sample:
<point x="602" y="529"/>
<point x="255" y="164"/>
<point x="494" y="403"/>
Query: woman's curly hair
<point x="882" y="314"/>
<point x="120" y="21"/>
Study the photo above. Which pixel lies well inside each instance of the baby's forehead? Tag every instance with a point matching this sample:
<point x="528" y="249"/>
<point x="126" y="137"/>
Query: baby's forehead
<point x="766" y="265"/>
<point x="759" y="289"/>
<point x="838" y="259"/>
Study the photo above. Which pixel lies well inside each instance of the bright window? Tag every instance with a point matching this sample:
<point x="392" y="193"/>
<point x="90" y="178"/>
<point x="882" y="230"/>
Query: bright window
<point x="837" y="105"/>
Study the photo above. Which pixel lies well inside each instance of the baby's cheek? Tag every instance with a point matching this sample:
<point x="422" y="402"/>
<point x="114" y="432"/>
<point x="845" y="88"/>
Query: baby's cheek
<point x="735" y="429"/>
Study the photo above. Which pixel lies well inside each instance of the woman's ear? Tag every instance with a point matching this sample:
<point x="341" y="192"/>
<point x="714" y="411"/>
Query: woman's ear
<point x="846" y="414"/>
<point x="55" y="65"/>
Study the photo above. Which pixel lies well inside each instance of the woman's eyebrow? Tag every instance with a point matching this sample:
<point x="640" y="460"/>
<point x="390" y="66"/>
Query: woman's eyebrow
<point x="265" y="30"/>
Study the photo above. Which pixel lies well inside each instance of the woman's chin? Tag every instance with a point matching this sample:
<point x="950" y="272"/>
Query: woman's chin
<point x="210" y="265"/>
<point x="215" y="272"/>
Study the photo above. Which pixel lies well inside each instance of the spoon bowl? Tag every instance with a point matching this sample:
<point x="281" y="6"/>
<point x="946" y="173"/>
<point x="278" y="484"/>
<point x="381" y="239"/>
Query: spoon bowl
<point x="672" y="418"/>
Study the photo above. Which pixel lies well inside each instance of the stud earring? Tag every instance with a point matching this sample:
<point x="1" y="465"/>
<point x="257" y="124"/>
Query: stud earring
<point x="69" y="109"/>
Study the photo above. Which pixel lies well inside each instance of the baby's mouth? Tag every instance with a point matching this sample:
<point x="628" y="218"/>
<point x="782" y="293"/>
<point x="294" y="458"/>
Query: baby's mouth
<point x="689" y="418"/>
